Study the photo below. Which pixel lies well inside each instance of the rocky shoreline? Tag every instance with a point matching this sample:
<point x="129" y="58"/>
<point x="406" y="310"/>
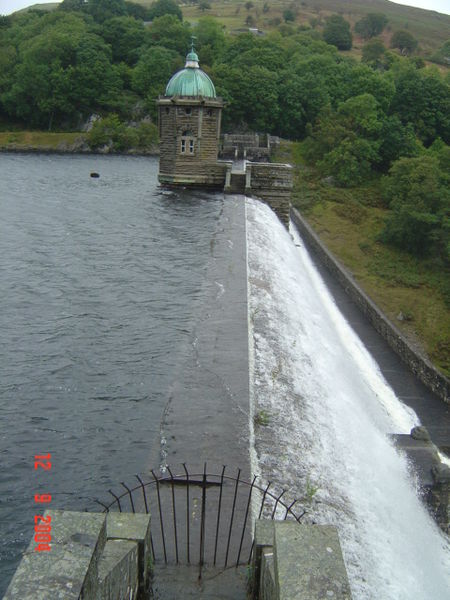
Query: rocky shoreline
<point x="76" y="148"/>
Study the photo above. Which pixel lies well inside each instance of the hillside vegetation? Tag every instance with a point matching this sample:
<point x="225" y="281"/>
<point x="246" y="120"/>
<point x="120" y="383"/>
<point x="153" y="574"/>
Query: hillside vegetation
<point x="430" y="28"/>
<point x="371" y="133"/>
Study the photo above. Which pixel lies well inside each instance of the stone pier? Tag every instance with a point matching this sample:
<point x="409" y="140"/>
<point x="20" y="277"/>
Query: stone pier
<point x="270" y="182"/>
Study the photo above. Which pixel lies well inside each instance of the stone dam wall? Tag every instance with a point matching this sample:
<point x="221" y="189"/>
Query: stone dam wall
<point x="419" y="365"/>
<point x="272" y="183"/>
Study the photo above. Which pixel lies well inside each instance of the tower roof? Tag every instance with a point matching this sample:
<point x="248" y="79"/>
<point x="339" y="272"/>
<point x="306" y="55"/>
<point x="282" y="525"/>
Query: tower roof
<point x="191" y="81"/>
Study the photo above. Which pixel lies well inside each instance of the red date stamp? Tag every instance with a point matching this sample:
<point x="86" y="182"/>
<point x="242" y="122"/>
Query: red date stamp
<point x="42" y="523"/>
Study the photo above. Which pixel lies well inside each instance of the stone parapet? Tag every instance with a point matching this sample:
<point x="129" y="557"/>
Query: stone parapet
<point x="295" y="561"/>
<point x="93" y="556"/>
<point x="418" y="364"/>
<point x="70" y="569"/>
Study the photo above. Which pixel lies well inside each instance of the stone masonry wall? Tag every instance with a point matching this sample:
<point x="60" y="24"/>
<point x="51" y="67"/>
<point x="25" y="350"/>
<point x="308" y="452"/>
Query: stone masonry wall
<point x="422" y="368"/>
<point x="297" y="561"/>
<point x="272" y="183"/>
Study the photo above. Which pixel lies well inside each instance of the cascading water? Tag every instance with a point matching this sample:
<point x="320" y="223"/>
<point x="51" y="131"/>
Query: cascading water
<point x="323" y="412"/>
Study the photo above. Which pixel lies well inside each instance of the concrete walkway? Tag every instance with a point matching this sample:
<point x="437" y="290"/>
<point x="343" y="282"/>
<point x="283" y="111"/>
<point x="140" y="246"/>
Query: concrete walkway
<point x="206" y="418"/>
<point x="207" y="415"/>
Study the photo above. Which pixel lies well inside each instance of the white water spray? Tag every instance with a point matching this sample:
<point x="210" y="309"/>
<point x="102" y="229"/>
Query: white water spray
<point x="327" y="413"/>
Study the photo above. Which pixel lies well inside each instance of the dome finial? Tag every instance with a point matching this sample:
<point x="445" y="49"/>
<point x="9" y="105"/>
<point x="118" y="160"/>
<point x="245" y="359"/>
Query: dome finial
<point x="192" y="58"/>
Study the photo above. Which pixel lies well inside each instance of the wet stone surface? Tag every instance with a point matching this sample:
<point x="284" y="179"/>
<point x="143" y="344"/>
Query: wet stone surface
<point x="176" y="582"/>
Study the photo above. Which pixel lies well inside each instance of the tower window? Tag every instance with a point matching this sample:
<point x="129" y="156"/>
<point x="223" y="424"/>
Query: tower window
<point x="209" y="112"/>
<point x="167" y="110"/>
<point x="187" y="142"/>
<point x="188" y="110"/>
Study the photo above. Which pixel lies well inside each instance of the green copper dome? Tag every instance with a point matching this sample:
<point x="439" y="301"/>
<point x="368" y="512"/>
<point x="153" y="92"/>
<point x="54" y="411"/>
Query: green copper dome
<point x="191" y="81"/>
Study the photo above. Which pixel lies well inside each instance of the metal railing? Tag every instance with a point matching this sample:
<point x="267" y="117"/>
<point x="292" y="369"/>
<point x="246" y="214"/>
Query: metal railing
<point x="202" y="518"/>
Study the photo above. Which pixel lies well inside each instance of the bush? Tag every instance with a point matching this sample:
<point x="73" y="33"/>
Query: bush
<point x="119" y="137"/>
<point x="147" y="135"/>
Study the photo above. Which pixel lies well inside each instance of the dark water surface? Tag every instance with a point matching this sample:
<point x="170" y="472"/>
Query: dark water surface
<point x="100" y="282"/>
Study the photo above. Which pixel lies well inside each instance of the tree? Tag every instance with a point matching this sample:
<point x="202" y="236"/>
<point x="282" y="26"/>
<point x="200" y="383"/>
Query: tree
<point x="373" y="53"/>
<point x="404" y="41"/>
<point x="204" y="5"/>
<point x="63" y="72"/>
<point x="288" y="15"/>
<point x="251" y="95"/>
<point x="416" y="192"/>
<point x="95" y="82"/>
<point x="72" y="5"/>
<point x="371" y="25"/>
<point x="337" y="32"/>
<point x="250" y="21"/>
<point x="301" y="98"/>
<point x="422" y="98"/>
<point x="346" y="142"/>
<point x="350" y="162"/>
<point x="152" y="72"/>
<point x="210" y="40"/>
<point x="165" y="7"/>
<point x="137" y="11"/>
<point x="397" y="141"/>
<point x="168" y="31"/>
<point x="125" y="35"/>
<point x="249" y="5"/>
<point x="102" y="10"/>
<point x="442" y="56"/>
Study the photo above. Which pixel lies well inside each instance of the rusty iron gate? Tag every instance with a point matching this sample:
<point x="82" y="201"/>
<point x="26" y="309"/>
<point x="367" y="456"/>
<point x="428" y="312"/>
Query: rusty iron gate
<point x="202" y="518"/>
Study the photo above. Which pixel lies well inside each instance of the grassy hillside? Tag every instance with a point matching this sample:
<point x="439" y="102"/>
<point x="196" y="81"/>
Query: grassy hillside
<point x="43" y="140"/>
<point x="430" y="28"/>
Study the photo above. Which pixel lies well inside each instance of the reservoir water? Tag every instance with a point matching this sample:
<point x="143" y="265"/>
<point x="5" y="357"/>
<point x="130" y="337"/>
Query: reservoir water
<point x="101" y="280"/>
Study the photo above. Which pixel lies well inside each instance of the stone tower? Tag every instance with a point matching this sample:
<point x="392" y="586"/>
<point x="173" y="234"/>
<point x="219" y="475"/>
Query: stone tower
<point x="189" y="128"/>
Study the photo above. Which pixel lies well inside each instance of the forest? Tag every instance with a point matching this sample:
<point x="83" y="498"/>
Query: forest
<point x="380" y="121"/>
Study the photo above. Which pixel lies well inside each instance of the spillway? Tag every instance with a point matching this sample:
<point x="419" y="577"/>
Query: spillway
<point x="323" y="414"/>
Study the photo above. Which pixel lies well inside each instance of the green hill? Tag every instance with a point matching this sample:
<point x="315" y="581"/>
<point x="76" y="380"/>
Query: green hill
<point x="430" y="28"/>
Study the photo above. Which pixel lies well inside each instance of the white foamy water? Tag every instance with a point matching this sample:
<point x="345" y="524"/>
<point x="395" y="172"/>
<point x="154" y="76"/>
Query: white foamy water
<point x="328" y="412"/>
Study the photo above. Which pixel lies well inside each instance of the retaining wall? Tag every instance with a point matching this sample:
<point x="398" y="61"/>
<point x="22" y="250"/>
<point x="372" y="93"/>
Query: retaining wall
<point x="419" y="365"/>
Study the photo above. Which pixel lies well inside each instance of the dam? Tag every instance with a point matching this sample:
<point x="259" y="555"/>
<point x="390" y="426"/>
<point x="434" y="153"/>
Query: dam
<point x="131" y="324"/>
